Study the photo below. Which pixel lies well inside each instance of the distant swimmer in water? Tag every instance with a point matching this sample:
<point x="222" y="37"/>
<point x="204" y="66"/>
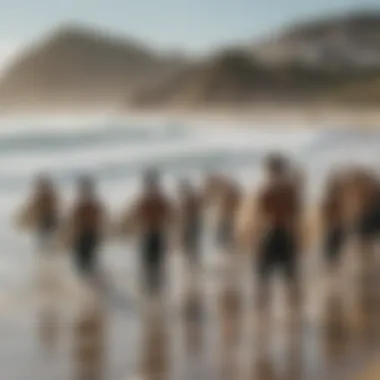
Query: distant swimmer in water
<point x="279" y="213"/>
<point x="41" y="212"/>
<point x="152" y="216"/>
<point x="191" y="221"/>
<point x="87" y="227"/>
<point x="333" y="221"/>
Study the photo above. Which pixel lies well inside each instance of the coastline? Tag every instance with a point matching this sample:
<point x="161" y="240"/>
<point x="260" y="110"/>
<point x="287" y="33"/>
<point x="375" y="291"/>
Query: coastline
<point x="266" y="115"/>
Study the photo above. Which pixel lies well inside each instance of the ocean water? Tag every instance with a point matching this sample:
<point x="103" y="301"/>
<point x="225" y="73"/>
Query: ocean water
<point x="115" y="152"/>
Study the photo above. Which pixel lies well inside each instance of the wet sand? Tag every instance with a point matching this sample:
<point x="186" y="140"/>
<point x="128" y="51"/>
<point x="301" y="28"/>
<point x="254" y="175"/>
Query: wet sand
<point x="203" y="329"/>
<point x="256" y="115"/>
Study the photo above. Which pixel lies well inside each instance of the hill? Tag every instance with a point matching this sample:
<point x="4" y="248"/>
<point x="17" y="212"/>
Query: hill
<point x="225" y="78"/>
<point x="360" y="92"/>
<point x="329" y="60"/>
<point x="235" y="78"/>
<point x="344" y="40"/>
<point x="79" y="66"/>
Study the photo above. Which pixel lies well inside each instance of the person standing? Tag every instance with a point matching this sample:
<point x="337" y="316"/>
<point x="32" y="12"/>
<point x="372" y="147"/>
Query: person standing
<point x="86" y="227"/>
<point x="151" y="217"/>
<point x="279" y="211"/>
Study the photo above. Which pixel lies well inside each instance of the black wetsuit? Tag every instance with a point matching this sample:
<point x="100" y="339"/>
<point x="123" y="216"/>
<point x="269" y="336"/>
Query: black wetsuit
<point x="87" y="218"/>
<point x="86" y="251"/>
<point x="153" y="213"/>
<point x="279" y="245"/>
<point x="333" y="243"/>
<point x="153" y="247"/>
<point x="192" y="235"/>
<point x="278" y="251"/>
<point x="368" y="226"/>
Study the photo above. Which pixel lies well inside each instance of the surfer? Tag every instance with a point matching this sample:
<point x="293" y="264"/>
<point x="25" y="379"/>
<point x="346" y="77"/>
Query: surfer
<point x="41" y="212"/>
<point x="151" y="215"/>
<point x="87" y="222"/>
<point x="279" y="213"/>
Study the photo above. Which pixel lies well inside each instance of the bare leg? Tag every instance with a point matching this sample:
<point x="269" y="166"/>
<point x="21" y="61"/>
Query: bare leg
<point x="366" y="253"/>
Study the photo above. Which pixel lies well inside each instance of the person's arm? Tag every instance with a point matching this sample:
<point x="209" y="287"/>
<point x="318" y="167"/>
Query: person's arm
<point x="67" y="229"/>
<point x="300" y="222"/>
<point x="25" y="217"/>
<point x="57" y="206"/>
<point x="244" y="221"/>
<point x="130" y="219"/>
<point x="261" y="212"/>
<point x="251" y="220"/>
<point x="307" y="227"/>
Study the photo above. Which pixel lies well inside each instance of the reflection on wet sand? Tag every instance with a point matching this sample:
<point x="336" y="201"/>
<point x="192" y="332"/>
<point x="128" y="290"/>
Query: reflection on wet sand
<point x="219" y="335"/>
<point x="336" y="331"/>
<point x="89" y="340"/>
<point x="193" y="319"/>
<point x="154" y="354"/>
<point x="49" y="328"/>
<point x="229" y="309"/>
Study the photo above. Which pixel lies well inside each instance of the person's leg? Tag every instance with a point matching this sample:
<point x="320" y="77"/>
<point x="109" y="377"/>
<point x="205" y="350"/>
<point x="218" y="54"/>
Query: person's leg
<point x="265" y="266"/>
<point x="290" y="264"/>
<point x="89" y="255"/>
<point x="293" y="284"/>
<point x="191" y="246"/>
<point x="84" y="255"/>
<point x="155" y="247"/>
<point x="333" y="248"/>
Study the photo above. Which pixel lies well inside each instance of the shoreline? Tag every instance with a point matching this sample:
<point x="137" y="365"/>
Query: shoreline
<point x="269" y="115"/>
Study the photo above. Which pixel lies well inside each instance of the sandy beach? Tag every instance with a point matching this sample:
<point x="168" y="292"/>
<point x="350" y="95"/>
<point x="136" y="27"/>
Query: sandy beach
<point x="207" y="331"/>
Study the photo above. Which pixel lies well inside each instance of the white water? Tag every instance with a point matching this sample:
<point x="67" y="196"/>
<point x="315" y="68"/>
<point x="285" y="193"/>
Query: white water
<point x="116" y="152"/>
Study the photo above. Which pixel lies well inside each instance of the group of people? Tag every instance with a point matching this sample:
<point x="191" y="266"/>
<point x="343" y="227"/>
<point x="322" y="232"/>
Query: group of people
<point x="274" y="227"/>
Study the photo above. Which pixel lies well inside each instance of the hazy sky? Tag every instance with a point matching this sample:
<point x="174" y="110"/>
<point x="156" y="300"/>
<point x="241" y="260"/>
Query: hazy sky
<point x="193" y="25"/>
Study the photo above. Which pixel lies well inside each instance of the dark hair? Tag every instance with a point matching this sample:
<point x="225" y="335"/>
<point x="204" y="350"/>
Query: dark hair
<point x="276" y="163"/>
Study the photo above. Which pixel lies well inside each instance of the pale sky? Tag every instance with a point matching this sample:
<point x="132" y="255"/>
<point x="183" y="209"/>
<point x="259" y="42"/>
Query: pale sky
<point x="192" y="25"/>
